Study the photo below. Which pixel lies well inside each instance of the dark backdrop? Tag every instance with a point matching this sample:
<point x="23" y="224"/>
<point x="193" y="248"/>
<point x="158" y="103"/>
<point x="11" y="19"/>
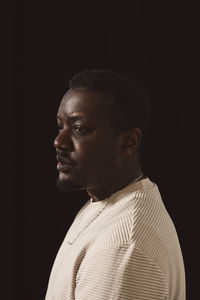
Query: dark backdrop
<point x="155" y="42"/>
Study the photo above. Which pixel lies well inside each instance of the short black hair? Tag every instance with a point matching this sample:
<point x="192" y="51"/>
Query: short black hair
<point x="128" y="100"/>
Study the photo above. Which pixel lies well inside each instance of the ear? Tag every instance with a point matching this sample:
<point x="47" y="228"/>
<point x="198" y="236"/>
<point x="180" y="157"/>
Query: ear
<point x="131" y="141"/>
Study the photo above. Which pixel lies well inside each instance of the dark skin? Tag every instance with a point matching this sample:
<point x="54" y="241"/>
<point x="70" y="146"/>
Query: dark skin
<point x="102" y="161"/>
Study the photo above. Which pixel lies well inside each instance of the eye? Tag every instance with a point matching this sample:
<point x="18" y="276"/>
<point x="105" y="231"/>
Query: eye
<point x="78" y="130"/>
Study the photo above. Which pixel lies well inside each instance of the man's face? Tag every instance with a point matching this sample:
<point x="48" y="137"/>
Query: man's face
<point x="87" y="145"/>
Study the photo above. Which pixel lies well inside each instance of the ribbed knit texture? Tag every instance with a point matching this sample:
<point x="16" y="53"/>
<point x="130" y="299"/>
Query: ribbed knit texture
<point x="123" y="247"/>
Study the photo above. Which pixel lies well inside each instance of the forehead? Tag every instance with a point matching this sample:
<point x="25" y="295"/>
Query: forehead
<point x="83" y="102"/>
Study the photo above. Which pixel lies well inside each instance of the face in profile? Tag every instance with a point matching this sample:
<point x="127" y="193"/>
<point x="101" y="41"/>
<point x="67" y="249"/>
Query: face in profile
<point x="87" y="145"/>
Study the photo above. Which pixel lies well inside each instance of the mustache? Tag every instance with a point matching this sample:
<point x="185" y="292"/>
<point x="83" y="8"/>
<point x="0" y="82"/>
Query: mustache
<point x="63" y="158"/>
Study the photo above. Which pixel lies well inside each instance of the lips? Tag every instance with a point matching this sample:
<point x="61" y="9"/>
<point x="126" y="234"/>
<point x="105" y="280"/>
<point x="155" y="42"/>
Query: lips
<point x="64" y="164"/>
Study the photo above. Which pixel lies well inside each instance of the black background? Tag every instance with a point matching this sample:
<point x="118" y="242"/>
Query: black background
<point x="155" y="42"/>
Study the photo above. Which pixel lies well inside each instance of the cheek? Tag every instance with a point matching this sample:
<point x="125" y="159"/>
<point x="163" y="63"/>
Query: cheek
<point x="96" y="151"/>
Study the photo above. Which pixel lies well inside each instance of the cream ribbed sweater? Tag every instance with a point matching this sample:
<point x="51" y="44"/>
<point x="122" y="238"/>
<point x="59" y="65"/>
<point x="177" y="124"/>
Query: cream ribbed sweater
<point x="123" y="247"/>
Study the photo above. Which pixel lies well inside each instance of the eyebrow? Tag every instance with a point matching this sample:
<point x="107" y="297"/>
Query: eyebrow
<point x="72" y="118"/>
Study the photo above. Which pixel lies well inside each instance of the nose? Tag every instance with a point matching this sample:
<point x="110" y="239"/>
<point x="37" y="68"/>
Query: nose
<point x="63" y="141"/>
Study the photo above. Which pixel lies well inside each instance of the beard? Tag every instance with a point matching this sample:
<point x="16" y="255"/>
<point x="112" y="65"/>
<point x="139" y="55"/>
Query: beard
<point x="65" y="185"/>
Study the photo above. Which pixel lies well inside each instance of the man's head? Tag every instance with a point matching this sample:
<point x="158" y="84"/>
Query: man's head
<point x="102" y="120"/>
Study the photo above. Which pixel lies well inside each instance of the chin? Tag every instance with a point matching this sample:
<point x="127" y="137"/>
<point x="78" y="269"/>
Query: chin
<point x="64" y="184"/>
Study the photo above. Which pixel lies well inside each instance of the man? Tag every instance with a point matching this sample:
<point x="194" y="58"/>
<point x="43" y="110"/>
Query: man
<point x="122" y="243"/>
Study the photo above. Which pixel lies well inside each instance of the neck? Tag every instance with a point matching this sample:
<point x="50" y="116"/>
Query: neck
<point x="98" y="194"/>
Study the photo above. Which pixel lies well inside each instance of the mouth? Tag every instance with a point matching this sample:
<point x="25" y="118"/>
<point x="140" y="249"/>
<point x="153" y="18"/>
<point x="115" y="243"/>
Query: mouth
<point x="64" y="164"/>
<point x="64" y="167"/>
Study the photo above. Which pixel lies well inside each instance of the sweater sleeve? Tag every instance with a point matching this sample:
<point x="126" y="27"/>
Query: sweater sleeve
<point x="120" y="273"/>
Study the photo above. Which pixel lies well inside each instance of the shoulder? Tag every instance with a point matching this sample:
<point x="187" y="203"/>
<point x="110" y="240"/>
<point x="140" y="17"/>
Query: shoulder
<point x="138" y="216"/>
<point x="130" y="210"/>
